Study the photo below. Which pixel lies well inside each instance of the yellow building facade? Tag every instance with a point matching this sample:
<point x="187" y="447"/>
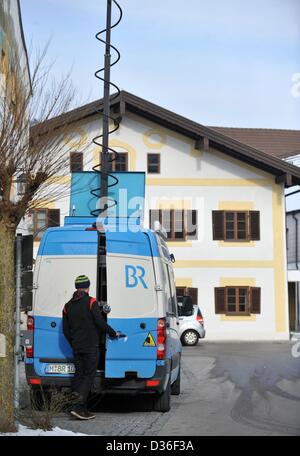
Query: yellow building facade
<point x="224" y="207"/>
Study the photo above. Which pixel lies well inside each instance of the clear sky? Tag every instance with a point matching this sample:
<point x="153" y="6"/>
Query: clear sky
<point x="218" y="62"/>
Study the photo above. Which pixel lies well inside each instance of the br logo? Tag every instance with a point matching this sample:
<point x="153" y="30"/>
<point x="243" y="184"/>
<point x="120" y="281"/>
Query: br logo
<point x="134" y="276"/>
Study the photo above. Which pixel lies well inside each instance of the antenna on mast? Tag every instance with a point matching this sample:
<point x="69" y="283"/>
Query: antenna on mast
<point x="106" y="105"/>
<point x="105" y="156"/>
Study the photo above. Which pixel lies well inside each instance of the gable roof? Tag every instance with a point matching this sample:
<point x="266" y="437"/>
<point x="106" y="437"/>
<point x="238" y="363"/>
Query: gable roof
<point x="125" y="101"/>
<point x="279" y="143"/>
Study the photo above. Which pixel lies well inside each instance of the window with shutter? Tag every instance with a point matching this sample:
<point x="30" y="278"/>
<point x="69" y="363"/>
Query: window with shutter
<point x="236" y="226"/>
<point x="191" y="225"/>
<point x="231" y="300"/>
<point x="121" y="162"/>
<point x="39" y="223"/>
<point x="154" y="217"/>
<point x="76" y="162"/>
<point x="117" y="162"/>
<point x="184" y="291"/>
<point x="166" y="220"/>
<point x="218" y="225"/>
<point x="255" y="300"/>
<point x="180" y="225"/>
<point x="193" y="293"/>
<point x="178" y="220"/>
<point x="180" y="291"/>
<point x="42" y="219"/>
<point x="53" y="217"/>
<point x="220" y="305"/>
<point x="237" y="300"/>
<point x="153" y="163"/>
<point x="187" y="291"/>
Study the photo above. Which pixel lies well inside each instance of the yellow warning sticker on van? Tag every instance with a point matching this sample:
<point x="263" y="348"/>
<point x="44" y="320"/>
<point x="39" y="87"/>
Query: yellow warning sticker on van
<point x="149" y="341"/>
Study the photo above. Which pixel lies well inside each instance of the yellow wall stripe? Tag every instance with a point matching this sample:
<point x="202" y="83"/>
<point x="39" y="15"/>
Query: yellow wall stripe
<point x="209" y="182"/>
<point x="280" y="279"/>
<point x="188" y="282"/>
<point x="238" y="318"/>
<point x="235" y="264"/>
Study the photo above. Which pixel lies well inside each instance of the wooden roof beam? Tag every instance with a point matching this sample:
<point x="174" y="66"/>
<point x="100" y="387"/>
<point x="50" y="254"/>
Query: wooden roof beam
<point x="202" y="144"/>
<point x="119" y="111"/>
<point x="285" y="179"/>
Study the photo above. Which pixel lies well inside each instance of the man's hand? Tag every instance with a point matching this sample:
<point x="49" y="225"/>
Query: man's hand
<point x="117" y="335"/>
<point x="106" y="309"/>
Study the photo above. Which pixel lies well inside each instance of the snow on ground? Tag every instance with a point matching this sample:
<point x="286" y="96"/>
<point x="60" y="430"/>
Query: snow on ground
<point x="25" y="431"/>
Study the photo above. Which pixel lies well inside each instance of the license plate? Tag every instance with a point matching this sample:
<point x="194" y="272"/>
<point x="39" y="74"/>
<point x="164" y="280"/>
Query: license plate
<point x="60" y="369"/>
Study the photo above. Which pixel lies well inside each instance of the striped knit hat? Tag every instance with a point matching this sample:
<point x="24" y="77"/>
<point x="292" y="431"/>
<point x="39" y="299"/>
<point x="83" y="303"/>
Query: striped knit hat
<point x="83" y="282"/>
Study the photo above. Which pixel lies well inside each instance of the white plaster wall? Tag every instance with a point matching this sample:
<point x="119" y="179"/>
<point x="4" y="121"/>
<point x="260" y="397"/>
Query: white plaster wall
<point x="208" y="200"/>
<point x="206" y="279"/>
<point x="180" y="160"/>
<point x="11" y="7"/>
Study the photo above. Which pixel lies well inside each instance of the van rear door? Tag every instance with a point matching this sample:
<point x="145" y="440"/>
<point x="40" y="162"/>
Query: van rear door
<point x="132" y="297"/>
<point x="64" y="254"/>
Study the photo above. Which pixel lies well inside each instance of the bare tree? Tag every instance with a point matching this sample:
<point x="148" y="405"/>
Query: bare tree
<point x="38" y="157"/>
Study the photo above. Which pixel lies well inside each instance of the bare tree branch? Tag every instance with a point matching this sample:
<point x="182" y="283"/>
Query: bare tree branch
<point x="42" y="155"/>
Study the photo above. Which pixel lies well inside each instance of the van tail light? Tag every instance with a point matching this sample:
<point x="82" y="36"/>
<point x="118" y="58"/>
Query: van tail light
<point x="152" y="383"/>
<point x="30" y="324"/>
<point x="35" y="381"/>
<point x="30" y="327"/>
<point x="161" y="338"/>
<point x="29" y="352"/>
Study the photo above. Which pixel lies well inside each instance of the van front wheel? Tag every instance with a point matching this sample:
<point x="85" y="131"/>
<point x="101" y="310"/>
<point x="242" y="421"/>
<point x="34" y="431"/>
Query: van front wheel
<point x="162" y="403"/>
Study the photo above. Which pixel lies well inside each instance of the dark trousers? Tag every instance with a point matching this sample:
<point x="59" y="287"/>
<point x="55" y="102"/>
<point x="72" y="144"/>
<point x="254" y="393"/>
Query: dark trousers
<point x="85" y="371"/>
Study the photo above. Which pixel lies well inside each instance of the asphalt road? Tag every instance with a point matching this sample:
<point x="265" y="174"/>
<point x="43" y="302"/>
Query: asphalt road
<point x="227" y="389"/>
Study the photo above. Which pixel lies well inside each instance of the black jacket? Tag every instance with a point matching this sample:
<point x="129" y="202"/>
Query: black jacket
<point x="83" y="323"/>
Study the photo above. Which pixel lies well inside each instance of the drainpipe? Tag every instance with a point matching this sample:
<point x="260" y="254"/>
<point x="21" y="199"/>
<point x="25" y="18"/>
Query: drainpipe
<point x="297" y="242"/>
<point x="297" y="323"/>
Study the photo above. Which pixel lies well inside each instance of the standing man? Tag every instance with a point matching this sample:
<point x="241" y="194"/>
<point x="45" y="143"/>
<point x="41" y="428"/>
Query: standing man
<point x="83" y="325"/>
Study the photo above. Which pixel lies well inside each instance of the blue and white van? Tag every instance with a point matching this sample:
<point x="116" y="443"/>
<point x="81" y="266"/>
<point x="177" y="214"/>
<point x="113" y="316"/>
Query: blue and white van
<point x="141" y="294"/>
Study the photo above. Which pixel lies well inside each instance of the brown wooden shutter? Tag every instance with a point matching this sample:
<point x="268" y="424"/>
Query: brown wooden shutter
<point x="254" y="225"/>
<point x="191" y="225"/>
<point x="193" y="293"/>
<point x="255" y="306"/>
<point x="53" y="218"/>
<point x="154" y="216"/>
<point x="167" y="222"/>
<point x="76" y="162"/>
<point x="220" y="305"/>
<point x="218" y="225"/>
<point x="180" y="291"/>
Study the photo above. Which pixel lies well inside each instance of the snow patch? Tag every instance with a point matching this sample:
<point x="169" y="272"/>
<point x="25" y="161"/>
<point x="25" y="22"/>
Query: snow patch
<point x="25" y="431"/>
